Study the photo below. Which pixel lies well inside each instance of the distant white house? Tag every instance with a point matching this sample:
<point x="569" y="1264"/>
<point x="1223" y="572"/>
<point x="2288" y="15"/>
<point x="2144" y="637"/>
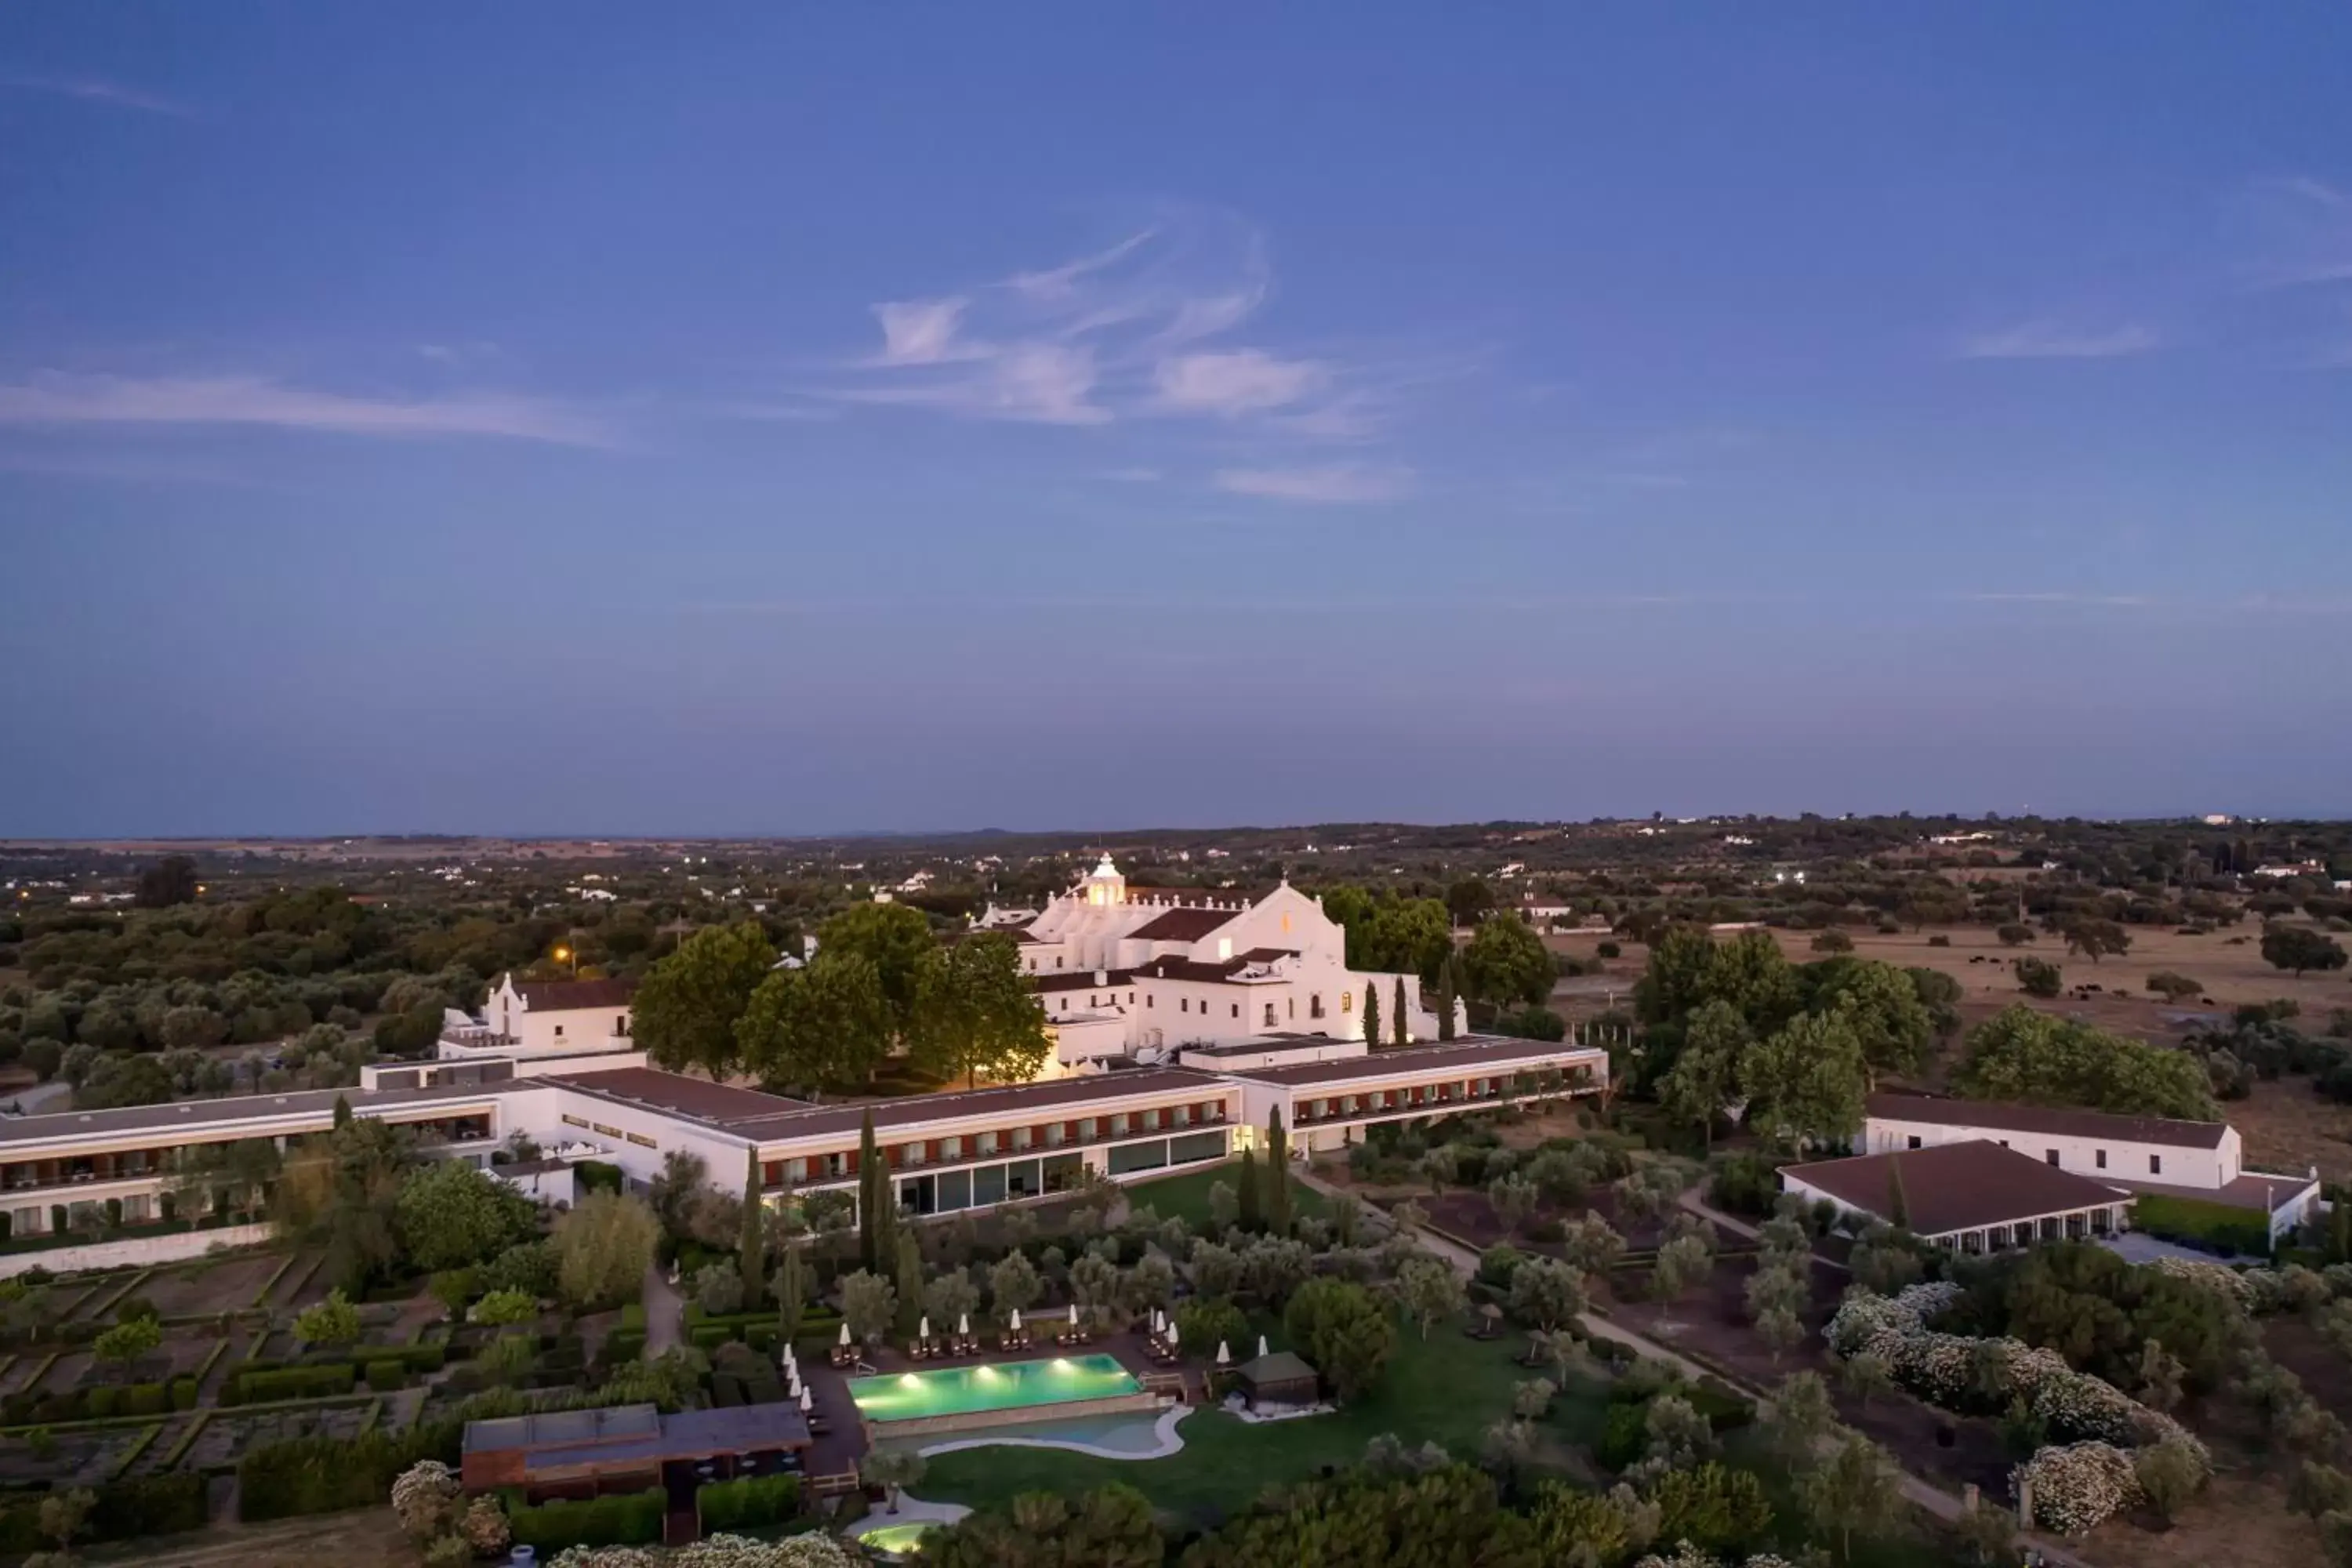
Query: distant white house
<point x="545" y="1018"/>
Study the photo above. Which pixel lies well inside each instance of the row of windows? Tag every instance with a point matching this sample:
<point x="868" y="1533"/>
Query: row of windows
<point x="2098" y="1156"/>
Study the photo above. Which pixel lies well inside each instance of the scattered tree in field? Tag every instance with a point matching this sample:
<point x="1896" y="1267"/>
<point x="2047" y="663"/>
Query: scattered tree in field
<point x="1833" y="941"/>
<point x="1439" y="1167"/>
<point x="1803" y="1414"/>
<point x="1706" y="1074"/>
<point x="2301" y="950"/>
<point x="1430" y="1290"/>
<point x="1505" y="961"/>
<point x="2014" y="934"/>
<point x="2174" y="987"/>
<point x="1544" y="1293"/>
<point x="2097" y="939"/>
<point x="2038" y="977"/>
<point x="1681" y="1263"/>
<point x="1866" y="1375"/>
<point x="1511" y="1196"/>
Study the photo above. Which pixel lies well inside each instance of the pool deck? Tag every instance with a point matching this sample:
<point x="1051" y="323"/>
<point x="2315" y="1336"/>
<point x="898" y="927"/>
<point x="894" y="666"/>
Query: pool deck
<point x="842" y="1447"/>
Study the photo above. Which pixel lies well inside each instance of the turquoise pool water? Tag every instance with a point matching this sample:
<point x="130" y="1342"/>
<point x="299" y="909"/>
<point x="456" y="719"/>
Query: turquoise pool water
<point x="956" y="1391"/>
<point x="896" y="1538"/>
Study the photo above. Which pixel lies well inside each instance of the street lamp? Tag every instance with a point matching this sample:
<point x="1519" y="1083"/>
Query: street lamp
<point x="566" y="955"/>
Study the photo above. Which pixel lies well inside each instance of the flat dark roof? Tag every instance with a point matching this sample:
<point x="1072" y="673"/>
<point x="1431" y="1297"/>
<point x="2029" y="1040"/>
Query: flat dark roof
<point x="197" y="1113"/>
<point x="2059" y="1121"/>
<point x="1470" y="1051"/>
<point x="1012" y="1100"/>
<point x="1957" y="1186"/>
<point x="713" y="1104"/>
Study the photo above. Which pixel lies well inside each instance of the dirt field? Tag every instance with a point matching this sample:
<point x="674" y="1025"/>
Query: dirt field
<point x="2240" y="1522"/>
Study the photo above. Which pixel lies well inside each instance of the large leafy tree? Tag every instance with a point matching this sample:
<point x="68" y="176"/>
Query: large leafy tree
<point x="1111" y="1527"/>
<point x="1505" y="961"/>
<point x="973" y="1012"/>
<point x="342" y="1191"/>
<point x="685" y="1012"/>
<point x="1705" y="1075"/>
<point x="827" y="1025"/>
<point x="2301" y="949"/>
<point x="1882" y="1005"/>
<point x="1344" y="1332"/>
<point x="602" y="1248"/>
<point x="896" y="940"/>
<point x="1805" y="1082"/>
<point x="1389" y="933"/>
<point x="2022" y="1055"/>
<point x="1450" y="1515"/>
<point x="452" y="1215"/>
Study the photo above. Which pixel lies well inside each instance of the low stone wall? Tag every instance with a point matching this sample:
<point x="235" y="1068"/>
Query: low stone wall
<point x="1011" y="1415"/>
<point x="133" y="1251"/>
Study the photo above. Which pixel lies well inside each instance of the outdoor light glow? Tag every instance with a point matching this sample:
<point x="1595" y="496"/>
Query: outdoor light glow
<point x="1005" y="1385"/>
<point x="911" y="1381"/>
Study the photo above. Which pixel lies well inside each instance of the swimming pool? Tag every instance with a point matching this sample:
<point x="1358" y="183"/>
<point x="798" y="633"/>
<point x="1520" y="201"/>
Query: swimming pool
<point x="972" y="1390"/>
<point x="897" y="1540"/>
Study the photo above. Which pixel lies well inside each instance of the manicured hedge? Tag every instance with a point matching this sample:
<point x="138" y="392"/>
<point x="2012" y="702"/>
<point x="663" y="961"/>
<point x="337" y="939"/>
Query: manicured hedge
<point x="148" y="1505"/>
<point x="750" y="1502"/>
<point x="251" y="1385"/>
<point x="386" y="1375"/>
<point x="627" y="1519"/>
<point x="591" y="1174"/>
<point x="2213" y="1228"/>
<point x="321" y="1475"/>
<point x="99" y="1403"/>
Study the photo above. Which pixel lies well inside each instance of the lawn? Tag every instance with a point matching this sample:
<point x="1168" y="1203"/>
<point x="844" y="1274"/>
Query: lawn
<point x="1445" y="1389"/>
<point x="1187" y="1196"/>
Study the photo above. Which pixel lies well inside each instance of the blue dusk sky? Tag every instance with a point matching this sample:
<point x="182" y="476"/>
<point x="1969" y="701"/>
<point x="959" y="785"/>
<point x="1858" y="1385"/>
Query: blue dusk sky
<point x="584" y="418"/>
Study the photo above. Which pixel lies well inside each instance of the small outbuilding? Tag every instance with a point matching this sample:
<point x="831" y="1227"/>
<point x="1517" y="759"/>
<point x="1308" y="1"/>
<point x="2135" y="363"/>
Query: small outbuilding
<point x="1280" y="1378"/>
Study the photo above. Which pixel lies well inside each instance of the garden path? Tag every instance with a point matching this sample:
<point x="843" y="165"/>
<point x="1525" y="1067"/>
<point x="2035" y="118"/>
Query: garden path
<point x="664" y="1312"/>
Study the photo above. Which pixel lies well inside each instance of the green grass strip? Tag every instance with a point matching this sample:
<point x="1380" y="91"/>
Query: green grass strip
<point x="131" y="1455"/>
<point x="261" y="1297"/>
<point x="185" y="1440"/>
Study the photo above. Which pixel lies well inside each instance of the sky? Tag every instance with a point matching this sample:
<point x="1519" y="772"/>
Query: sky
<point x="800" y="420"/>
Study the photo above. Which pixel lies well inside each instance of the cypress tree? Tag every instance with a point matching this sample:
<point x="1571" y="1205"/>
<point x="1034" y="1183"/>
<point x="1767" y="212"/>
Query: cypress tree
<point x="1898" y="1204"/>
<point x="1401" y="1023"/>
<point x="1373" y="1015"/>
<point x="1446" y="998"/>
<point x="792" y="1297"/>
<point x="1246" y="1204"/>
<point x="873" y="1185"/>
<point x="907" y="1276"/>
<point x="1278" y="1172"/>
<point x="343" y="1113"/>
<point x="751" y="1252"/>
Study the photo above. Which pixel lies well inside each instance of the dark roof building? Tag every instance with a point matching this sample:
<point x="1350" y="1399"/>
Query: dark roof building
<point x="1955" y="1190"/>
<point x="2055" y="1120"/>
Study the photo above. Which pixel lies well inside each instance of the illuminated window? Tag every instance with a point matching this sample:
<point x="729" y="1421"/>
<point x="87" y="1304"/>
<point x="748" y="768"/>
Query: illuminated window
<point x="1346" y="1001"/>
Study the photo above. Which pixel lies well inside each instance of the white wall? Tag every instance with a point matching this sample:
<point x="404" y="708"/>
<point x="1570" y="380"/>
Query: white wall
<point x="2208" y="1168"/>
<point x="135" y="1250"/>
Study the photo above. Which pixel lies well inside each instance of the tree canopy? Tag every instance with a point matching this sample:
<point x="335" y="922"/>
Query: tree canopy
<point x="685" y="1011"/>
<point x="2022" y="1055"/>
<point x="973" y="1012"/>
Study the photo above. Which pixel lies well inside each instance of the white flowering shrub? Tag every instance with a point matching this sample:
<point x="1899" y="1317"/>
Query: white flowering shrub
<point x="1943" y="1369"/>
<point x="427" y="1500"/>
<point x="2219" y="1277"/>
<point x="2079" y="1486"/>
<point x="606" y="1557"/>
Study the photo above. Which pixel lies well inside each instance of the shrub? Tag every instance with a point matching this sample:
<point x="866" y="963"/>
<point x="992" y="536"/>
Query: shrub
<point x="251" y="1387"/>
<point x="2214" y="1228"/>
<point x="386" y="1375"/>
<point x="750" y="1502"/>
<point x="627" y="1519"/>
<point x="321" y="1475"/>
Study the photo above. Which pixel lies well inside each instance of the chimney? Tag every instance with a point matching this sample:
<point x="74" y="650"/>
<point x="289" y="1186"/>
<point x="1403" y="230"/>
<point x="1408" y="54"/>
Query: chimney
<point x="1102" y="977"/>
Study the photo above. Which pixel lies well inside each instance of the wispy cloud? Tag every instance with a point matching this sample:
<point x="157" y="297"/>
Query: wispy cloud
<point x="2300" y="231"/>
<point x="92" y="90"/>
<point x="1328" y="484"/>
<point x="2052" y="339"/>
<point x="1126" y="331"/>
<point x="1235" y="382"/>
<point x="51" y="398"/>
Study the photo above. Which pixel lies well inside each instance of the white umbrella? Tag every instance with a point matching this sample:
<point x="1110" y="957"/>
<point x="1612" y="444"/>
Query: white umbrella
<point x="1155" y="1320"/>
<point x="844" y="1333"/>
<point x="963" y="1324"/>
<point x="924" y="1331"/>
<point x="1260" y="1344"/>
<point x="1225" y="1356"/>
<point x="792" y="1386"/>
<point x="1016" y="1319"/>
<point x="1172" y="1334"/>
<point x="808" y="1401"/>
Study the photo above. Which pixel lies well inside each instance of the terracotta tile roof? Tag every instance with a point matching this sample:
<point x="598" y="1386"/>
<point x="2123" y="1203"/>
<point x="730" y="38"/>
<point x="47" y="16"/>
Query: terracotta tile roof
<point x="2064" y="1121"/>
<point x="1957" y="1186"/>
<point x="571" y="996"/>
<point x="1183" y="924"/>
